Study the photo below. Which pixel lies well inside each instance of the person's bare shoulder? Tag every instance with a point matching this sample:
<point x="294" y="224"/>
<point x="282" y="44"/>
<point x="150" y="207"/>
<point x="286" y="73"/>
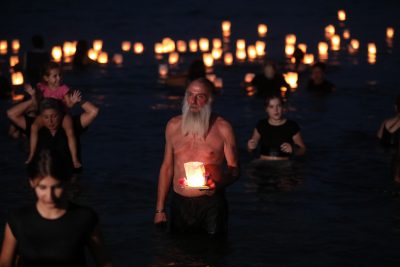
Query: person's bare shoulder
<point x="223" y="125"/>
<point x="173" y="124"/>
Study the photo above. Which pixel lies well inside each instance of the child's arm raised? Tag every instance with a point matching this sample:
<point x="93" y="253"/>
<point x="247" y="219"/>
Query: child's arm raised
<point x="69" y="130"/>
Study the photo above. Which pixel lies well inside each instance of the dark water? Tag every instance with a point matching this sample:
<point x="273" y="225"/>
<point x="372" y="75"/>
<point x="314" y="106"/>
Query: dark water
<point x="339" y="208"/>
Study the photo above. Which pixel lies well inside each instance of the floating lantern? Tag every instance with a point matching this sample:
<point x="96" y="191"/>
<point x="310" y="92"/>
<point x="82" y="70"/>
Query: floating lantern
<point x="118" y="59"/>
<point x="248" y="78"/>
<point x="138" y="48"/>
<point x="240" y="44"/>
<point x="302" y="47"/>
<point x="208" y="60"/>
<point x="291" y="78"/>
<point x="195" y="174"/>
<point x="217" y="43"/>
<point x="216" y="53"/>
<point x="226" y="28"/>
<point x="3" y="47"/>
<point x="323" y="50"/>
<point x="14" y="60"/>
<point x="335" y="42"/>
<point x="93" y="54"/>
<point x="283" y="91"/>
<point x="228" y="59"/>
<point x="389" y="33"/>
<point x="97" y="45"/>
<point x="329" y="31"/>
<point x="126" y="46"/>
<point x="290" y="39"/>
<point x="341" y="15"/>
<point x="308" y="59"/>
<point x="173" y="58"/>
<point x="102" y="58"/>
<point x="158" y="48"/>
<point x="56" y="53"/>
<point x="251" y="52"/>
<point x="218" y="83"/>
<point x="193" y="46"/>
<point x="355" y="44"/>
<point x="262" y="30"/>
<point x="163" y="70"/>
<point x="204" y="44"/>
<point x="168" y="45"/>
<point x="17" y="78"/>
<point x="371" y="48"/>
<point x="68" y="49"/>
<point x="260" y="48"/>
<point x="289" y="50"/>
<point x="241" y="55"/>
<point x="181" y="46"/>
<point x="15" y="45"/>
<point x="346" y="34"/>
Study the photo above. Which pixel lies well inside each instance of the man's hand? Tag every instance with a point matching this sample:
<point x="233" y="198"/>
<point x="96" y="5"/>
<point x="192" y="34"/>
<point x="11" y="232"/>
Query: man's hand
<point x="160" y="218"/>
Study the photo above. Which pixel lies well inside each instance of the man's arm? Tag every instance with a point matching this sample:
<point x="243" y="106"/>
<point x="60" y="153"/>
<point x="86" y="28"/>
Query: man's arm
<point x="165" y="177"/>
<point x="90" y="113"/>
<point x="16" y="113"/>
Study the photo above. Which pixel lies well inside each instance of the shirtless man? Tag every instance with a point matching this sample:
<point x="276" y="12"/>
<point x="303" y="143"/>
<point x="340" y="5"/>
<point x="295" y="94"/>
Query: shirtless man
<point x="197" y="135"/>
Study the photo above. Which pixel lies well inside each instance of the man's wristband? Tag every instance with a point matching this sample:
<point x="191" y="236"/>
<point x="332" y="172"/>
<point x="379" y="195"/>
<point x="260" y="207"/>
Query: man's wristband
<point x="160" y="211"/>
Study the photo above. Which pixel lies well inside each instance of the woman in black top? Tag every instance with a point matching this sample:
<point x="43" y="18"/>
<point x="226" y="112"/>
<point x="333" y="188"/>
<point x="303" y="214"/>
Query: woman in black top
<point x="53" y="231"/>
<point x="278" y="137"/>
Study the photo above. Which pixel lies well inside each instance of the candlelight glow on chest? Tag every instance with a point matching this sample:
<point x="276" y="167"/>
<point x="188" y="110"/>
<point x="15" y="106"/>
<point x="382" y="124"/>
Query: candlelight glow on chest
<point x="195" y="173"/>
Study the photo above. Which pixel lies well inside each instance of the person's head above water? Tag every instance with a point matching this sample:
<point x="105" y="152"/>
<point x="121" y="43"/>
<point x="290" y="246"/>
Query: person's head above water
<point x="274" y="107"/>
<point x="269" y="68"/>
<point x="318" y="72"/>
<point x="51" y="111"/>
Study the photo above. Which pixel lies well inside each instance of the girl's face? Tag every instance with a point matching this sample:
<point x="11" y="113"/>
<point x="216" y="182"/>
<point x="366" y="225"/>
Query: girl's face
<point x="53" y="78"/>
<point x="48" y="190"/>
<point x="274" y="109"/>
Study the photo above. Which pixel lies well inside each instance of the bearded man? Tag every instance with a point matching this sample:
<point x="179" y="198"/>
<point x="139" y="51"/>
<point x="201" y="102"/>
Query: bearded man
<point x="197" y="135"/>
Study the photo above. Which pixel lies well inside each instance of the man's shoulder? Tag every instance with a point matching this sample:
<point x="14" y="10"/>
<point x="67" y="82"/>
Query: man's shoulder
<point x="174" y="121"/>
<point x="222" y="123"/>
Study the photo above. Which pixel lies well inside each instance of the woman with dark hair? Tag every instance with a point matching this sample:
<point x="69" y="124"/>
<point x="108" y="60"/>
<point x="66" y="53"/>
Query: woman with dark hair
<point x="389" y="132"/>
<point x="53" y="231"/>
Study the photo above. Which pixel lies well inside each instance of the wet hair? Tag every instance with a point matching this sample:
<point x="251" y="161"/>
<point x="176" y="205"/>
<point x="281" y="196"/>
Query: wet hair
<point x="207" y="84"/>
<point x="49" y="163"/>
<point x="37" y="41"/>
<point x="51" y="103"/>
<point x="270" y="97"/>
<point x="320" y="65"/>
<point x="50" y="66"/>
<point x="196" y="70"/>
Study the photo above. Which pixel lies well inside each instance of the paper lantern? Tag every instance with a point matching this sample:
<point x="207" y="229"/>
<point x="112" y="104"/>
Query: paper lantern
<point x="262" y="30"/>
<point x="216" y="53"/>
<point x="173" y="58"/>
<point x="322" y="48"/>
<point x="3" y="47"/>
<point x="102" y="58"/>
<point x="228" y="59"/>
<point x="329" y="31"/>
<point x="56" y="53"/>
<point x="138" y="48"/>
<point x="260" y="48"/>
<point x="208" y="60"/>
<point x="291" y="78"/>
<point x="17" y="78"/>
<point x="126" y="46"/>
<point x="163" y="70"/>
<point x="204" y="44"/>
<point x="195" y="174"/>
<point x="341" y="15"/>
<point x="248" y="78"/>
<point x="241" y="55"/>
<point x="290" y="39"/>
<point x="289" y="50"/>
<point x="226" y="28"/>
<point x="346" y="34"/>
<point x="68" y="49"/>
<point x="308" y="59"/>
<point x="181" y="46"/>
<point x="14" y="60"/>
<point x="217" y="43"/>
<point x="93" y="54"/>
<point x="97" y="45"/>
<point x="240" y="44"/>
<point x="15" y="45"/>
<point x="251" y="52"/>
<point x="335" y="42"/>
<point x="193" y="46"/>
<point x="390" y="32"/>
<point x="168" y="45"/>
<point x="158" y="48"/>
<point x="118" y="59"/>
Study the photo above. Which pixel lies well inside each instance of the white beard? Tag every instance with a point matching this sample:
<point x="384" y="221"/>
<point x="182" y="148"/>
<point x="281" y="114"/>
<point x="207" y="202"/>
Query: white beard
<point x="195" y="123"/>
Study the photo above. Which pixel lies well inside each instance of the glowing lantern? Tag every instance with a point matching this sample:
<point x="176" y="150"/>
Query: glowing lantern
<point x="68" y="49"/>
<point x="14" y="60"/>
<point x="17" y="78"/>
<point x="291" y="78"/>
<point x="228" y="59"/>
<point x="118" y="59"/>
<point x="262" y="30"/>
<point x="355" y="44"/>
<point x="193" y="45"/>
<point x="308" y="59"/>
<point x="240" y="44"/>
<point x="289" y="50"/>
<point x="93" y="54"/>
<point x="56" y="53"/>
<point x="3" y="47"/>
<point x="217" y="43"/>
<point x="329" y="31"/>
<point x="251" y="52"/>
<point x="218" y="83"/>
<point x="97" y="45"/>
<point x="389" y="33"/>
<point x="341" y="15"/>
<point x="226" y="28"/>
<point x="323" y="50"/>
<point x="208" y="60"/>
<point x="181" y="46"/>
<point x="102" y="58"/>
<point x="158" y="48"/>
<point x="290" y="39"/>
<point x="195" y="174"/>
<point x="302" y="47"/>
<point x="335" y="42"/>
<point x="283" y="91"/>
<point x="138" y="48"/>
<point x="248" y="78"/>
<point x="211" y="77"/>
<point x="173" y="58"/>
<point x="241" y="55"/>
<point x="168" y="45"/>
<point x="346" y="34"/>
<point x="372" y="59"/>
<point x="163" y="70"/>
<point x="371" y="48"/>
<point x="15" y="45"/>
<point x="260" y="48"/>
<point x="204" y="44"/>
<point x="126" y="46"/>
<point x="216" y="53"/>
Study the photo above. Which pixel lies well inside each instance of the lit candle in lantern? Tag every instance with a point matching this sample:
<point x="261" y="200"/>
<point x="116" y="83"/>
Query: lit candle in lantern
<point x="181" y="46"/>
<point x="92" y="54"/>
<point x="14" y="60"/>
<point x="158" y="48"/>
<point x="291" y="78"/>
<point x="228" y="59"/>
<point x="290" y="39"/>
<point x="390" y="32"/>
<point x="323" y="50"/>
<point x="216" y="53"/>
<point x="289" y="50"/>
<point x="335" y="42"/>
<point x="251" y="52"/>
<point x="193" y="46"/>
<point x="248" y="78"/>
<point x="126" y="46"/>
<point x="168" y="45"/>
<point x="102" y="58"/>
<point x="208" y="60"/>
<point x="260" y="48"/>
<point x="354" y="45"/>
<point x="217" y="43"/>
<point x="308" y="59"/>
<point x="138" y="48"/>
<point x="68" y="49"/>
<point x="195" y="174"/>
<point x="262" y="30"/>
<point x="3" y="47"/>
<point x="371" y="48"/>
<point x="17" y="78"/>
<point x="240" y="44"/>
<point x="173" y="58"/>
<point x="342" y="15"/>
<point x="329" y="31"/>
<point x="97" y="45"/>
<point x="56" y="53"/>
<point x="241" y="55"/>
<point x="204" y="44"/>
<point x="163" y="70"/>
<point x="283" y="91"/>
<point x="118" y="59"/>
<point x="15" y="45"/>
<point x="346" y="34"/>
<point x="302" y="47"/>
<point x="226" y="28"/>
